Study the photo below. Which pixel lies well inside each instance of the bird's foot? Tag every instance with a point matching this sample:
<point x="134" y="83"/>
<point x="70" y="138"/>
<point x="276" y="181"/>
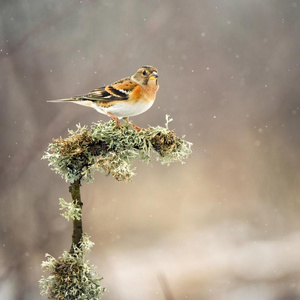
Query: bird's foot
<point x="133" y="125"/>
<point x="136" y="127"/>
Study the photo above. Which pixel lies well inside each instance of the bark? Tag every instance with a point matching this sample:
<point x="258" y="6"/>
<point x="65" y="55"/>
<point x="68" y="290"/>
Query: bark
<point x="77" y="224"/>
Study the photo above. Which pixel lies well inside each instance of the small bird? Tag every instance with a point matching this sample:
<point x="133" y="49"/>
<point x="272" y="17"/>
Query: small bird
<point x="124" y="98"/>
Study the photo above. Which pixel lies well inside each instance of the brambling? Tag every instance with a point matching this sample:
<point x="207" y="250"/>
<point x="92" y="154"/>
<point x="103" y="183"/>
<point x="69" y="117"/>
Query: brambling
<point x="124" y="98"/>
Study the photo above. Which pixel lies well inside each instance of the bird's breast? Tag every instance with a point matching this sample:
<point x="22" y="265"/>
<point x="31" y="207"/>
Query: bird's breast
<point x="129" y="109"/>
<point x="148" y="92"/>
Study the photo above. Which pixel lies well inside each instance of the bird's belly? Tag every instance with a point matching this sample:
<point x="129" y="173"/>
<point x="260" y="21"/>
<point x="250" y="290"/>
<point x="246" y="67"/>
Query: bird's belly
<point x="124" y="109"/>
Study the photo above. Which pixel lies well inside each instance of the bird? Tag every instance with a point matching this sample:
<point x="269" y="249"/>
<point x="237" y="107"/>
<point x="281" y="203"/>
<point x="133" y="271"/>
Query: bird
<point x="124" y="98"/>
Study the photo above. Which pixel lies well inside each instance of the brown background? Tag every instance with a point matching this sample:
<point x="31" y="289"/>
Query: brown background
<point x="225" y="225"/>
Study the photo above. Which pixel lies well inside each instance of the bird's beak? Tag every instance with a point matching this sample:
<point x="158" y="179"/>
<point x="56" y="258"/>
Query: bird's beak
<point x="154" y="75"/>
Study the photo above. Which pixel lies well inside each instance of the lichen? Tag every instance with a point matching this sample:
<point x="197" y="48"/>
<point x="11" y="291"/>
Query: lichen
<point x="72" y="276"/>
<point x="71" y="210"/>
<point x="111" y="150"/>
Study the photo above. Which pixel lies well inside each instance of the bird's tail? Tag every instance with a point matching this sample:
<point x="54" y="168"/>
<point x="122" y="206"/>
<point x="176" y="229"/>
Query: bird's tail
<point x="62" y="100"/>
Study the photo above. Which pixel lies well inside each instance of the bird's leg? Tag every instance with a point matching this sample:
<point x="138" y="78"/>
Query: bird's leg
<point x="116" y="119"/>
<point x="133" y="125"/>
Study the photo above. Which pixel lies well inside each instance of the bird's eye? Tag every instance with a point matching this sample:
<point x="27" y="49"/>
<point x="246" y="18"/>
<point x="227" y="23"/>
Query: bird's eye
<point x="144" y="73"/>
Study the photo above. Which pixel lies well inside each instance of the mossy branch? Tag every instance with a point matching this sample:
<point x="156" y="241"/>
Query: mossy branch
<point x="111" y="150"/>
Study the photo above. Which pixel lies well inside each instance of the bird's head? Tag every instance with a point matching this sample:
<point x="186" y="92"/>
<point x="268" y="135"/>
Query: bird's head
<point x="145" y="75"/>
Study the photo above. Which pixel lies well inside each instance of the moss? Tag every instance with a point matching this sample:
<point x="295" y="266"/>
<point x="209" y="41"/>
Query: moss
<point x="111" y="150"/>
<point x="71" y="210"/>
<point x="72" y="276"/>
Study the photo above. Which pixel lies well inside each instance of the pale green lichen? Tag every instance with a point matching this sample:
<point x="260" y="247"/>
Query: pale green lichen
<point x="71" y="210"/>
<point x="111" y="150"/>
<point x="72" y="276"/>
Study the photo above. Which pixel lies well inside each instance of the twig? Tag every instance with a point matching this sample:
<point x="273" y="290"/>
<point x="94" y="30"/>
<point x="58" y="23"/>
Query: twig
<point x="74" y="189"/>
<point x="164" y="284"/>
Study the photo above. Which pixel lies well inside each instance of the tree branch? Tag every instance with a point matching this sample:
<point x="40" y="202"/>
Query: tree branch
<point x="74" y="189"/>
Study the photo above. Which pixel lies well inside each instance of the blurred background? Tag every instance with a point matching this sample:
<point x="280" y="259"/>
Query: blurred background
<point x="226" y="224"/>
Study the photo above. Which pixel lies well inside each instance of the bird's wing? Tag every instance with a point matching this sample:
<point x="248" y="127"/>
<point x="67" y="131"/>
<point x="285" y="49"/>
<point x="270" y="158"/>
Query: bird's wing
<point x="119" y="90"/>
